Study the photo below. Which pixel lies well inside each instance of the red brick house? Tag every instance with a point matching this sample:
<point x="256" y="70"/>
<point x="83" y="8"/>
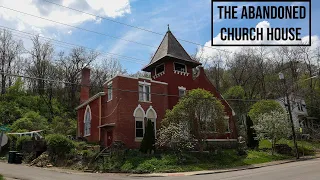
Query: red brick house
<point x="120" y="112"/>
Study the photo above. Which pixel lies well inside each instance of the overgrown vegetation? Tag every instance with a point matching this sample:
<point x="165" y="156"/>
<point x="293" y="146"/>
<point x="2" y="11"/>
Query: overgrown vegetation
<point x="134" y="162"/>
<point x="200" y="113"/>
<point x="59" y="145"/>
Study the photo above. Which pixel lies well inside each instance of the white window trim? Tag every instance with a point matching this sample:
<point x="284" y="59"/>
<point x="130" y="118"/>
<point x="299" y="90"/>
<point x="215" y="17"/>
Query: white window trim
<point x="138" y="139"/>
<point x="84" y="121"/>
<point x="144" y="97"/>
<point x="135" y="127"/>
<point x="110" y="83"/>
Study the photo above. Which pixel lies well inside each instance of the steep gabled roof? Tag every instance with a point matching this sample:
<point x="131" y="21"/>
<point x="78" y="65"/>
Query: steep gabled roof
<point x="170" y="47"/>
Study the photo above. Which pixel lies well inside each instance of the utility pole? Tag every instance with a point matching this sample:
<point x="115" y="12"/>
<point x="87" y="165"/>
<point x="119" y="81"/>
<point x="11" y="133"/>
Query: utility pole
<point x="281" y="77"/>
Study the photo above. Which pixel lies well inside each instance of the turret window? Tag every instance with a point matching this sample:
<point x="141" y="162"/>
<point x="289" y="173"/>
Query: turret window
<point x="180" y="67"/>
<point x="160" y="69"/>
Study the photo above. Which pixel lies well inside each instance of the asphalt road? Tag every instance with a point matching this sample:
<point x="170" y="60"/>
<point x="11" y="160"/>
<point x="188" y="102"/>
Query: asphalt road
<point x="302" y="170"/>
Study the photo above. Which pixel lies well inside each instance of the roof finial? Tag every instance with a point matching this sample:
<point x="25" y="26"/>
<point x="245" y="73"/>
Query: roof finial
<point x="168" y="27"/>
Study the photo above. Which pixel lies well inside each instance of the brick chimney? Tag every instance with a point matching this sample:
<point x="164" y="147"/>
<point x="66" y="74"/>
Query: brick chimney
<point x="85" y="83"/>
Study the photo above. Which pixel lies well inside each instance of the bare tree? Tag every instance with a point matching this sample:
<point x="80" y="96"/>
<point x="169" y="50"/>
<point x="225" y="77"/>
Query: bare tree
<point x="9" y="52"/>
<point x="71" y="66"/>
<point x="104" y="71"/>
<point x="41" y="63"/>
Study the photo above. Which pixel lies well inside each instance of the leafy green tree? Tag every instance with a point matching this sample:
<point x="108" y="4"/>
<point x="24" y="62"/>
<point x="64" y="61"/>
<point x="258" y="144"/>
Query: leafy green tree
<point x="148" y="141"/>
<point x="31" y="121"/>
<point x="9" y="112"/>
<point x="201" y="112"/>
<point x="273" y="126"/>
<point x="263" y="107"/>
<point x="64" y="126"/>
<point x="235" y="92"/>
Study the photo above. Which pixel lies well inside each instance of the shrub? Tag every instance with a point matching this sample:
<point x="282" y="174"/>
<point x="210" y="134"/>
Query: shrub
<point x="22" y="140"/>
<point x="148" y="141"/>
<point x="59" y="145"/>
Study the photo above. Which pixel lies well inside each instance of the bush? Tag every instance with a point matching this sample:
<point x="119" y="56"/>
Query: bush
<point x="22" y="140"/>
<point x="30" y="121"/>
<point x="59" y="145"/>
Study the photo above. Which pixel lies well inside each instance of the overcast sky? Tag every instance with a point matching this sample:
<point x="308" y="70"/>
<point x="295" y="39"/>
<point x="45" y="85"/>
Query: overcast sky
<point x="188" y="19"/>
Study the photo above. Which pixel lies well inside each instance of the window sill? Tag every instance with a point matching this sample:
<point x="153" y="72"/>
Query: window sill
<point x="109" y="100"/>
<point x="145" y="101"/>
<point x="138" y="139"/>
<point x="87" y="135"/>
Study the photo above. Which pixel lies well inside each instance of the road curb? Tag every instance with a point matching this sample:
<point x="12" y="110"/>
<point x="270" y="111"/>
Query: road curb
<point x="219" y="171"/>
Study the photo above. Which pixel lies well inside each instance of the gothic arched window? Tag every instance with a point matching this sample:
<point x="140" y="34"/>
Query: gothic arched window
<point x="87" y="121"/>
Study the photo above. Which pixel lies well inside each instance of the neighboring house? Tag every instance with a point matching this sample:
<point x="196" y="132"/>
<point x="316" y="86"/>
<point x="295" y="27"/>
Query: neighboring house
<point x="121" y="111"/>
<point x="299" y="111"/>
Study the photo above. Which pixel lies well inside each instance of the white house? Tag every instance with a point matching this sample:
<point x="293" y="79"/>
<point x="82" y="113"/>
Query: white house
<point x="299" y="111"/>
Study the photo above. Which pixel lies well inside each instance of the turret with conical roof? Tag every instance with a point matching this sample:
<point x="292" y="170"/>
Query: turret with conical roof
<point x="170" y="47"/>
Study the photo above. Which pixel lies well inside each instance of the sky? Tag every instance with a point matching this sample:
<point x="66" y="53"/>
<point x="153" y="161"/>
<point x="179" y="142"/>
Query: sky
<point x="188" y="19"/>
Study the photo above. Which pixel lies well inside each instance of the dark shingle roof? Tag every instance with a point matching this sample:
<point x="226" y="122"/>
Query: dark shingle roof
<point x="170" y="47"/>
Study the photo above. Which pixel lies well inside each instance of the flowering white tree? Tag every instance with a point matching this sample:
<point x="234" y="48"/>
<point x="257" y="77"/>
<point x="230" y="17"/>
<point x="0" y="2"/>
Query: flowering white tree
<point x="176" y="136"/>
<point x="273" y="126"/>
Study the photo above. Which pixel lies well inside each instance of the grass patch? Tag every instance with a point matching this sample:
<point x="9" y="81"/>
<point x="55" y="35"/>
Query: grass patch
<point x="1" y="177"/>
<point x="306" y="147"/>
<point x="139" y="163"/>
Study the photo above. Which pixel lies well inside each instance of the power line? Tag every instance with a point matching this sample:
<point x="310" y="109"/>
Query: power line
<point x="69" y="47"/>
<point x="77" y="27"/>
<point x="118" y="89"/>
<point x="132" y="26"/>
<point x="135" y="91"/>
<point x="142" y="62"/>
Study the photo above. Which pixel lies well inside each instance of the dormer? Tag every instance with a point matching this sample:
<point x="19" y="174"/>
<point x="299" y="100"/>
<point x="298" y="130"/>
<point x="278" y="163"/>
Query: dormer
<point x="170" y="58"/>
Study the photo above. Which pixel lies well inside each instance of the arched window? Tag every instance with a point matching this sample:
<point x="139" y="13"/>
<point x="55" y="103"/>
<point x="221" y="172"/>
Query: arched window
<point x="139" y="123"/>
<point x="87" y="121"/>
<point x="152" y="115"/>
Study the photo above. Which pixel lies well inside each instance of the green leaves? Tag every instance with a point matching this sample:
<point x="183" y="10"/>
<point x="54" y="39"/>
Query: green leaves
<point x="59" y="145"/>
<point x="262" y="107"/>
<point x="199" y="111"/>
<point x="31" y="121"/>
<point x="235" y="92"/>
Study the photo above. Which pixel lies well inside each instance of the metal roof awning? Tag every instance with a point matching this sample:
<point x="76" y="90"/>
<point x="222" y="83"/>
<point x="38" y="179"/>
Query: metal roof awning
<point x="107" y="125"/>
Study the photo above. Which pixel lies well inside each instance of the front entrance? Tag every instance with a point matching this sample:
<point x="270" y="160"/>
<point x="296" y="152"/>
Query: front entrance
<point x="108" y="138"/>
